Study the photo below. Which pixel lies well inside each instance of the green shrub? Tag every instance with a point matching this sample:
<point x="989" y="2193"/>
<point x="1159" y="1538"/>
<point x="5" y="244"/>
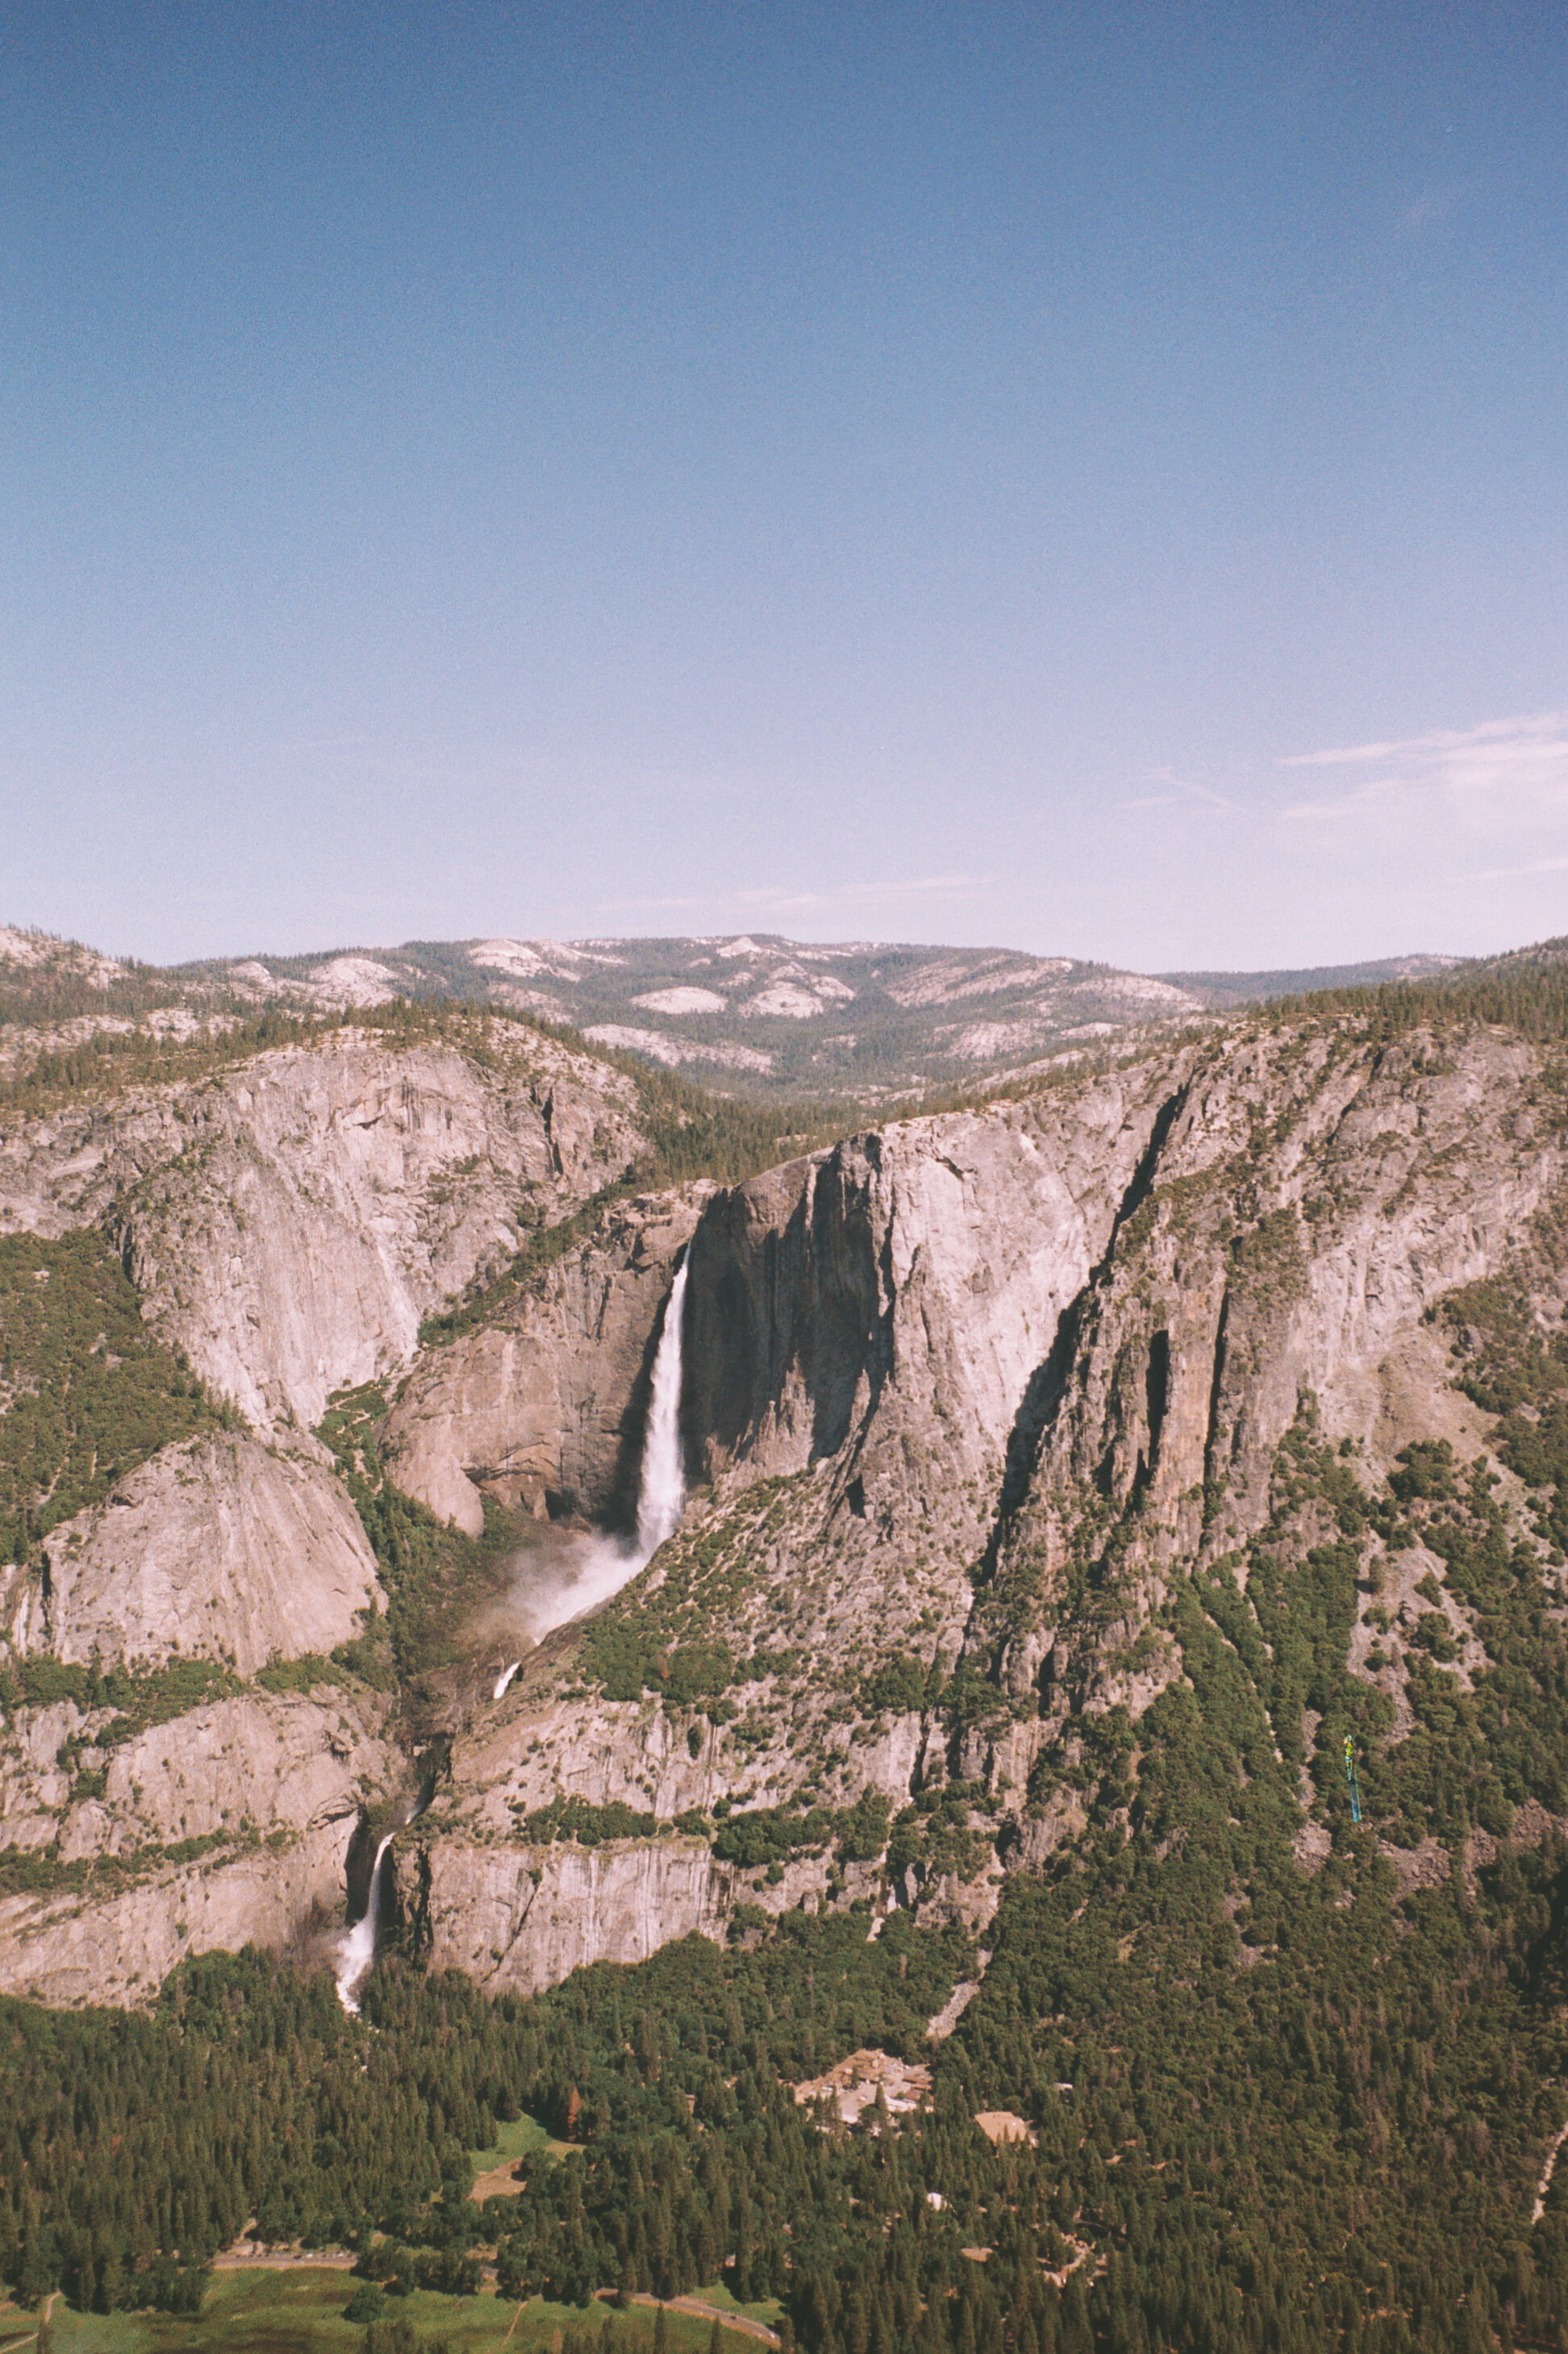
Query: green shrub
<point x="590" y="1826"/>
<point x="898" y="1687"/>
<point x="1426" y="1469"/>
<point x="762" y="1835"/>
<point x="862" y="1832"/>
<point x="698" y="1671"/>
<point x="298" y="1675"/>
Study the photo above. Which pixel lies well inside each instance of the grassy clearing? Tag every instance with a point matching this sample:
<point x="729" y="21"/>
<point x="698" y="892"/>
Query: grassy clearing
<point x="300" y="2312"/>
<point x="516" y="2138"/>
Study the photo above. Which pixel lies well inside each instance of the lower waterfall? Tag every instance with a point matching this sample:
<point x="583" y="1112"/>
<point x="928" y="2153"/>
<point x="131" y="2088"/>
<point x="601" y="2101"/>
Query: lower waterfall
<point x="601" y="1567"/>
<point x="358" y="1950"/>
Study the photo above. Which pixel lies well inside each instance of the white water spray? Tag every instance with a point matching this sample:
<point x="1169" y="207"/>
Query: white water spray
<point x="602" y="1565"/>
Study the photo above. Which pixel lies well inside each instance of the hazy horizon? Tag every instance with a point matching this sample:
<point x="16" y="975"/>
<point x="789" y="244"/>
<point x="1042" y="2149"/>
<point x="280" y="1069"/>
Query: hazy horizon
<point x="336" y="947"/>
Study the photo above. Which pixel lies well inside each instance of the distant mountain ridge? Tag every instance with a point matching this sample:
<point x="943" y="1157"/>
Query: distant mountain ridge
<point x="870" y="1021"/>
<point x="1234" y="988"/>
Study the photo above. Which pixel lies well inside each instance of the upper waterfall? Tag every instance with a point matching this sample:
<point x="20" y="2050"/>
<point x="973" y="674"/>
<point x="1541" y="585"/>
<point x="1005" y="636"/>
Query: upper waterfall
<point x="594" y="1567"/>
<point x="664" y="1484"/>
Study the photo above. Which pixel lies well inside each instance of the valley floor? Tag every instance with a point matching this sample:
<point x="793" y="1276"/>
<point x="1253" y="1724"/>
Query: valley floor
<point x="298" y="2310"/>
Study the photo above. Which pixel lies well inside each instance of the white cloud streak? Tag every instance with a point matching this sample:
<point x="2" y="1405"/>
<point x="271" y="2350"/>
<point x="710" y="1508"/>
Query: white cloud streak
<point x="1509" y="873"/>
<point x="1503" y="784"/>
<point x="1184" y="792"/>
<point x="1538" y="735"/>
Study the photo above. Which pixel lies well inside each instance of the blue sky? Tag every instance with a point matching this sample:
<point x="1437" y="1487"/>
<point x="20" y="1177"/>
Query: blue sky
<point x="1086" y="478"/>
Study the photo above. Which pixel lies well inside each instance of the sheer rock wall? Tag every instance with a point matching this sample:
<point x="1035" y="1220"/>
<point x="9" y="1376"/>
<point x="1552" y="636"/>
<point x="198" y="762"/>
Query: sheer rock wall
<point x="290" y="1221"/>
<point x="216" y="1549"/>
<point x="941" y="1381"/>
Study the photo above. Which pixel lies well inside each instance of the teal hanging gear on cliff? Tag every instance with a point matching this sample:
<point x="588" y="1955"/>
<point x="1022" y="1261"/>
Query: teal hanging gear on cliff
<point x="1351" y="1777"/>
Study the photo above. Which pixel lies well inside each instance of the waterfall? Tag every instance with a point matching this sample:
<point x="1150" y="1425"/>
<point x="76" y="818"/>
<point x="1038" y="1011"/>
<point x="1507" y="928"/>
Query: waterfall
<point x="664" y="1486"/>
<point x="601" y="1565"/>
<point x="359" y="1947"/>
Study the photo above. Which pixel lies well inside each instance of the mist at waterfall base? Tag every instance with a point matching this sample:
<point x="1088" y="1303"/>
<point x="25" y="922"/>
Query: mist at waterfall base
<point x="582" y="1574"/>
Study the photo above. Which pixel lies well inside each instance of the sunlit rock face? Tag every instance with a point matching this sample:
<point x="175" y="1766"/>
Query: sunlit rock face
<point x="919" y="1365"/>
<point x="887" y="1303"/>
<point x="289" y="1223"/>
<point x="545" y="1407"/>
<point x="218" y="1549"/>
<point x="917" y="1368"/>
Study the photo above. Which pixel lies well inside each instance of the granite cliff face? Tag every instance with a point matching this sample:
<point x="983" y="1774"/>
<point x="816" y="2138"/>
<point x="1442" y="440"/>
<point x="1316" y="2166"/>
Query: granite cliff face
<point x="216" y="1549"/>
<point x="523" y="1919"/>
<point x="884" y="1305"/>
<point x="863" y="1306"/>
<point x="1311" y="1201"/>
<point x="289" y="1223"/>
<point x="969" y="1394"/>
<point x="230" y="1824"/>
<point x="966" y="1399"/>
<point x="544" y="1408"/>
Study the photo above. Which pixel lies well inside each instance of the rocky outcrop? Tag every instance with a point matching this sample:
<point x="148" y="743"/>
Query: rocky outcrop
<point x="290" y="1221"/>
<point x="110" y="1945"/>
<point x="258" y="1764"/>
<point x="964" y="1398"/>
<point x="524" y="1917"/>
<point x="519" y="1918"/>
<point x="266" y="1763"/>
<point x="886" y="1304"/>
<point x="953" y="1359"/>
<point x="544" y="1408"/>
<point x="1309" y="1200"/>
<point x="269" y="1788"/>
<point x="217" y="1549"/>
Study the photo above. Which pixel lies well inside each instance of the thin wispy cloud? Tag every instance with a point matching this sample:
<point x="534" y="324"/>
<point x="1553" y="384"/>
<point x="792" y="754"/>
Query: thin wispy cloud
<point x="1542" y="733"/>
<point x="1510" y="873"/>
<point x="1505" y="781"/>
<point x="1182" y="792"/>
